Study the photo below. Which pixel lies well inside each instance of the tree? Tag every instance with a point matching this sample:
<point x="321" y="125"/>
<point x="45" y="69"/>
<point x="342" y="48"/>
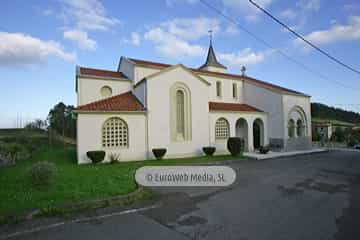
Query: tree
<point x="62" y="120"/>
<point x="36" y="124"/>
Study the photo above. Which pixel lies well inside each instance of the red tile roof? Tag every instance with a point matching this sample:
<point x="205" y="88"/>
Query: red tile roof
<point x="100" y="73"/>
<point x="123" y="102"/>
<point x="227" y="75"/>
<point x="219" y="106"/>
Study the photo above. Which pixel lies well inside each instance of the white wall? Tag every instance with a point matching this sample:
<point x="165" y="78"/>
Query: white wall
<point x="291" y="101"/>
<point x="89" y="136"/>
<point x="232" y="118"/>
<point x="141" y="72"/>
<point x="140" y="92"/>
<point x="159" y="113"/>
<point x="127" y="68"/>
<point x="227" y="89"/>
<point x="267" y="101"/>
<point x="89" y="88"/>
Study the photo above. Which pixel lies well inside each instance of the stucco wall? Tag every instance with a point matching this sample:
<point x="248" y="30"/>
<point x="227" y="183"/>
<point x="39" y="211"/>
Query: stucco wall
<point x="140" y="92"/>
<point x="270" y="102"/>
<point x="227" y="89"/>
<point x="159" y="113"/>
<point x="289" y="103"/>
<point x="232" y="118"/>
<point x="141" y="72"/>
<point x="127" y="68"/>
<point x="89" y="136"/>
<point x="89" y="88"/>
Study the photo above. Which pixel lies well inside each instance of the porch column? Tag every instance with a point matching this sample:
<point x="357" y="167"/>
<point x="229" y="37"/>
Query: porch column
<point x="250" y="135"/>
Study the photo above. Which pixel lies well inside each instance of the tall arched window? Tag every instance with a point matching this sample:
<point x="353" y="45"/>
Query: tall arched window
<point x="291" y="128"/>
<point x="299" y="128"/>
<point x="222" y="129"/>
<point x="180" y="112"/>
<point x="115" y="133"/>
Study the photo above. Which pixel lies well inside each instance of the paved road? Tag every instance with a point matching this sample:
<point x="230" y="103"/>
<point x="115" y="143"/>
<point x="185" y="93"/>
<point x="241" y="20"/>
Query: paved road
<point x="305" y="197"/>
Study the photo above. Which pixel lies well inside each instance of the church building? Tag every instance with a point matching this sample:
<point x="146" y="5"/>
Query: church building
<point x="145" y="105"/>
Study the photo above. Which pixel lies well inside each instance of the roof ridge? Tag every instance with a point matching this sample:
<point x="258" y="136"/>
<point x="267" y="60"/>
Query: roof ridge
<point x="199" y="71"/>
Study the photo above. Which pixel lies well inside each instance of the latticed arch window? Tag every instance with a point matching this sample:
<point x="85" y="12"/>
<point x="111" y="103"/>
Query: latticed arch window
<point x="222" y="129"/>
<point x="180" y="114"/>
<point x="115" y="133"/>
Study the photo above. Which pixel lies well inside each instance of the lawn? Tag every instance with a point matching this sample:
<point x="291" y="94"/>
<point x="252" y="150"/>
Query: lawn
<point x="73" y="183"/>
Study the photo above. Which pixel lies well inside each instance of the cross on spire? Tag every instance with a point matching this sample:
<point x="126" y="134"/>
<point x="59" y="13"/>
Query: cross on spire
<point x="210" y="36"/>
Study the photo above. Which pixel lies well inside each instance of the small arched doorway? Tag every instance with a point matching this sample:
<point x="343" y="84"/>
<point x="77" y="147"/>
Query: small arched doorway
<point x="258" y="133"/>
<point x="241" y="130"/>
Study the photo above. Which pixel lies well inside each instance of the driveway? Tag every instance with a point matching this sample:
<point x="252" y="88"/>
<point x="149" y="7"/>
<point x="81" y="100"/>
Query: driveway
<point x="305" y="197"/>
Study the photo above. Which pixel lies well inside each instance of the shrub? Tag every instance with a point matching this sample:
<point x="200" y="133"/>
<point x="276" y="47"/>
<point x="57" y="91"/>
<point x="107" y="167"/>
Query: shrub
<point x="96" y="156"/>
<point x="41" y="173"/>
<point x="114" y="158"/>
<point x="264" y="149"/>
<point x="159" y="152"/>
<point x="235" y="145"/>
<point x="209" y="151"/>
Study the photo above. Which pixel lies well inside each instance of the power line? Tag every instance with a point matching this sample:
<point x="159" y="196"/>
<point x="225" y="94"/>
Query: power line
<point x="307" y="68"/>
<point x="305" y="40"/>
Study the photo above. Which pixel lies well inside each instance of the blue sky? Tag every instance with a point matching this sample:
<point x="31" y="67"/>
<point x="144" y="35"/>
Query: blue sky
<point x="41" y="42"/>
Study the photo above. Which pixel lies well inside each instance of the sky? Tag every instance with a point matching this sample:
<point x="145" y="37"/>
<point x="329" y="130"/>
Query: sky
<point x="42" y="42"/>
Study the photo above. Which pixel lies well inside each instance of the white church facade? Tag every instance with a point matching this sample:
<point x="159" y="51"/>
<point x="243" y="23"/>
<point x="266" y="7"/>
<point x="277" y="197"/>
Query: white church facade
<point x="145" y="105"/>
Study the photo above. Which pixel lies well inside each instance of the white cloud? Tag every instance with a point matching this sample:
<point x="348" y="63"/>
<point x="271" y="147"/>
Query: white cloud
<point x="18" y="49"/>
<point x="175" y="38"/>
<point x="135" y="39"/>
<point x="288" y="13"/>
<point x="308" y="5"/>
<point x="172" y="46"/>
<point x="88" y="15"/>
<point x="336" y="33"/>
<point x="81" y="39"/>
<point x="191" y="28"/>
<point x="243" y="58"/>
<point x="246" y="9"/>
<point x="171" y="3"/>
<point x="232" y="29"/>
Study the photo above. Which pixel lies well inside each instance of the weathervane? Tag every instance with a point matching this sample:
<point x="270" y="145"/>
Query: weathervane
<point x="243" y="70"/>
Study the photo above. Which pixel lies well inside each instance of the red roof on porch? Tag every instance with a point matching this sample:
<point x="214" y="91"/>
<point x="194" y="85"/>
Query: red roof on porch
<point x="219" y="106"/>
<point x="123" y="102"/>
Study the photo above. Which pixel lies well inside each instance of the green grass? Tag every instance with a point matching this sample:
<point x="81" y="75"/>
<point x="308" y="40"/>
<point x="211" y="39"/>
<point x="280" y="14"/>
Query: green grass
<point x="73" y="183"/>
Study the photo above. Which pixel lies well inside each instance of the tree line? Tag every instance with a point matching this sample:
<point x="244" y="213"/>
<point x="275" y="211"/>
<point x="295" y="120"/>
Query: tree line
<point x="319" y="110"/>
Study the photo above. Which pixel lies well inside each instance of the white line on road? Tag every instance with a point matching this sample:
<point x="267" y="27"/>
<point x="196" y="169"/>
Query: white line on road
<point x="19" y="233"/>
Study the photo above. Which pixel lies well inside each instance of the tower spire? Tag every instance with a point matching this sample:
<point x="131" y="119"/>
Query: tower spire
<point x="211" y="60"/>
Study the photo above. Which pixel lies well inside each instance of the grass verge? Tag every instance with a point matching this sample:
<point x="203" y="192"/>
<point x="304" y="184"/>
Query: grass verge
<point x="74" y="183"/>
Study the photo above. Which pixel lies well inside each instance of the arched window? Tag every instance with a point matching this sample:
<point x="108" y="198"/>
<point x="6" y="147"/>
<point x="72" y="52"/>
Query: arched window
<point x="106" y="91"/>
<point x="222" y="129"/>
<point x="115" y="133"/>
<point x="180" y="112"/>
<point x="299" y="128"/>
<point x="291" y="128"/>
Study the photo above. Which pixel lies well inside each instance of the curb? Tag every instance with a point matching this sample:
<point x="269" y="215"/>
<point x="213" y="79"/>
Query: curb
<point x="292" y="155"/>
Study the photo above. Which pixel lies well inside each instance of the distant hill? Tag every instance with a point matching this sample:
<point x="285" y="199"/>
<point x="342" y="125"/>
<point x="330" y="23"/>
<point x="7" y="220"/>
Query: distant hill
<point x="322" y="111"/>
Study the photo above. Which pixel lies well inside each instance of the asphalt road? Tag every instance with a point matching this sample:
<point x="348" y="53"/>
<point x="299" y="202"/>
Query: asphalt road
<point x="305" y="197"/>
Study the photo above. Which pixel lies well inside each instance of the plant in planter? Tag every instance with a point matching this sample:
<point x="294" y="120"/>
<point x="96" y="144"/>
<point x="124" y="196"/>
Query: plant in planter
<point x="159" y="152"/>
<point x="235" y="145"/>
<point x="264" y="149"/>
<point x="209" y="151"/>
<point x="96" y="156"/>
